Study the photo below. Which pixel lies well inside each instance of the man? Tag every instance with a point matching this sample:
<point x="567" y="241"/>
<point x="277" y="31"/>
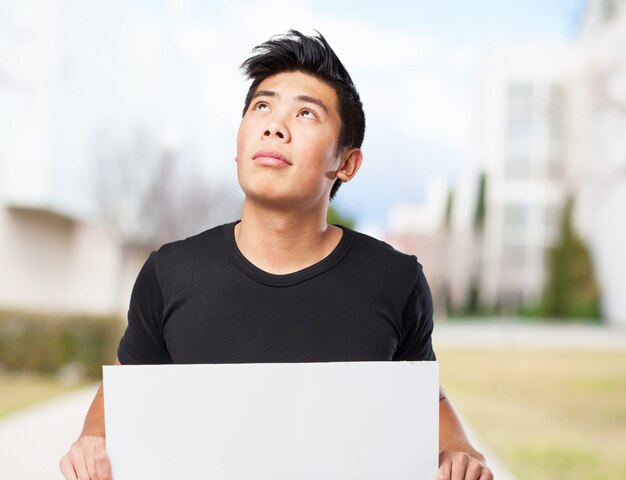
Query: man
<point x="281" y="285"/>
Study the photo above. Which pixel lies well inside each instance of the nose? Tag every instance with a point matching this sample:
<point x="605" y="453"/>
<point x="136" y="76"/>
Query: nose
<point x="276" y="127"/>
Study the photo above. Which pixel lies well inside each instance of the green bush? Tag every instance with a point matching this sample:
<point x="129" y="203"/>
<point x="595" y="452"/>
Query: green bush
<point x="48" y="342"/>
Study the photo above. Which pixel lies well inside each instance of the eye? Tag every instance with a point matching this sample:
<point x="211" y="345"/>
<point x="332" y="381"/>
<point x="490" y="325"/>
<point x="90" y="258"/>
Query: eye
<point x="262" y="106"/>
<point x="306" y="113"/>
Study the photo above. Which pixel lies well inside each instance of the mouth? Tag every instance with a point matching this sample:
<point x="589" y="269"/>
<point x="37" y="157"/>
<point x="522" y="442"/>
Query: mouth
<point x="270" y="157"/>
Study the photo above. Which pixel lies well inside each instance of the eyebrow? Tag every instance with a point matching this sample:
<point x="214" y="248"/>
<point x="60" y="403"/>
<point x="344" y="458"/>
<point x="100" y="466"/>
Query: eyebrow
<point x="300" y="98"/>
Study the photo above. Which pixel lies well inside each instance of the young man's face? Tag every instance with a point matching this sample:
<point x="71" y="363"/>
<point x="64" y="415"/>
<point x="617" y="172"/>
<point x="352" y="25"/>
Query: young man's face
<point x="292" y="116"/>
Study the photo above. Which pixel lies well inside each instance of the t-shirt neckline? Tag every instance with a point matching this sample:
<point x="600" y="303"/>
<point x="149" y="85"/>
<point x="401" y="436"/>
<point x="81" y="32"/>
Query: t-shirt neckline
<point x="274" y="280"/>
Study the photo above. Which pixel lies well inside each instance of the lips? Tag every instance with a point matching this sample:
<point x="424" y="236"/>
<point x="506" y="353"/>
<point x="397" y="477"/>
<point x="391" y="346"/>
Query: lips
<point x="270" y="157"/>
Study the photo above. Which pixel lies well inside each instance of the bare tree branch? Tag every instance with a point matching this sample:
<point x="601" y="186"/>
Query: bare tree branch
<point x="144" y="196"/>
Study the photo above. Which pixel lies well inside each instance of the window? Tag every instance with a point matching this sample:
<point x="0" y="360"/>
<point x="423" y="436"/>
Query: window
<point x="520" y="101"/>
<point x="556" y="111"/>
<point x="516" y="216"/>
<point x="519" y="129"/>
<point x="517" y="166"/>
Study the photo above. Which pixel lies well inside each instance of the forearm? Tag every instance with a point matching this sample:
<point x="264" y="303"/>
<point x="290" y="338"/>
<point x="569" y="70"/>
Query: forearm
<point x="452" y="437"/>
<point x="94" y="421"/>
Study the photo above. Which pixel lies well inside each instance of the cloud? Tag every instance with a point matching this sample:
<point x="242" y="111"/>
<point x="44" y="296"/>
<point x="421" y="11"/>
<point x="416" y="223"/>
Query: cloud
<point x="434" y="110"/>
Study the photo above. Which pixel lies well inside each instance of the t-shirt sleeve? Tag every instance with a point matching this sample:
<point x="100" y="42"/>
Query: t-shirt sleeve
<point x="417" y="322"/>
<point x="143" y="341"/>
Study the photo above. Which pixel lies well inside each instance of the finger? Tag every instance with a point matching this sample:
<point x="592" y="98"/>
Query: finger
<point x="67" y="469"/>
<point x="445" y="467"/>
<point x="103" y="464"/>
<point x="90" y="461"/>
<point x="459" y="465"/>
<point x="474" y="470"/>
<point x="487" y="474"/>
<point x="78" y="462"/>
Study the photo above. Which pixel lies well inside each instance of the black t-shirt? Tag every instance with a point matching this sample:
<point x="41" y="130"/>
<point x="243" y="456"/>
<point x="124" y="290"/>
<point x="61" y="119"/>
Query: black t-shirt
<point x="199" y="300"/>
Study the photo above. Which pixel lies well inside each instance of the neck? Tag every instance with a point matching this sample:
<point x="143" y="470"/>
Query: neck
<point x="281" y="241"/>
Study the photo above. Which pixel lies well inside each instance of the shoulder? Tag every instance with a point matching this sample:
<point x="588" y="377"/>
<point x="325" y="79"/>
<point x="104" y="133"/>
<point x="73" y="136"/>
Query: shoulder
<point x="381" y="256"/>
<point x="190" y="250"/>
<point x="378" y="248"/>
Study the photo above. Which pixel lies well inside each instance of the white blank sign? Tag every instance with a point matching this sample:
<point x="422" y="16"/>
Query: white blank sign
<point x="280" y="421"/>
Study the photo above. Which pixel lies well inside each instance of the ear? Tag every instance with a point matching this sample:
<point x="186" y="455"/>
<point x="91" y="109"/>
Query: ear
<point x="350" y="163"/>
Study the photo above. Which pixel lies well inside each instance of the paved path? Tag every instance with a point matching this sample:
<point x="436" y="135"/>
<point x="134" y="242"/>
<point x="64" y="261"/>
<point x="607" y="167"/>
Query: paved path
<point x="32" y="441"/>
<point x="511" y="334"/>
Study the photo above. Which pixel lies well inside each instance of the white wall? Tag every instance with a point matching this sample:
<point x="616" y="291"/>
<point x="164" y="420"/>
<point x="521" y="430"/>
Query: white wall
<point x="35" y="258"/>
<point x="51" y="263"/>
<point x="601" y="209"/>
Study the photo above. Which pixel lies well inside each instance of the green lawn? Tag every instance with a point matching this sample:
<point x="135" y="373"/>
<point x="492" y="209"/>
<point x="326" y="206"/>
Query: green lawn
<point x="548" y="415"/>
<point x="20" y="390"/>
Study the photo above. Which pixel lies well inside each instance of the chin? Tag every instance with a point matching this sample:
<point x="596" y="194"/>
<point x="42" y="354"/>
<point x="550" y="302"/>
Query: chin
<point x="270" y="195"/>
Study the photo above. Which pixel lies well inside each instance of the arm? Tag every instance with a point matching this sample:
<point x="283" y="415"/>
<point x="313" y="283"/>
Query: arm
<point x="141" y="344"/>
<point x="457" y="458"/>
<point x="87" y="458"/>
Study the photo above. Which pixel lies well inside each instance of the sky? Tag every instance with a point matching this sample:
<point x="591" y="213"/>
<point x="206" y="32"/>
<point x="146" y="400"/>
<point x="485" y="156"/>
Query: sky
<point x="171" y="67"/>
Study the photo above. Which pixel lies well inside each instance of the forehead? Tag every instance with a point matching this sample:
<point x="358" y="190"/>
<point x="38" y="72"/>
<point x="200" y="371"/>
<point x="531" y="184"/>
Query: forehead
<point x="300" y="83"/>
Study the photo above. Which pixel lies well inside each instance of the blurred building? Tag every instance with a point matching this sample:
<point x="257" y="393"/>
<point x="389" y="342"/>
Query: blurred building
<point x="522" y="146"/>
<point x="600" y="135"/>
<point x="549" y="124"/>
<point x="498" y="251"/>
<point x="51" y="258"/>
<point x="598" y="13"/>
<point x="54" y="263"/>
<point x="103" y="115"/>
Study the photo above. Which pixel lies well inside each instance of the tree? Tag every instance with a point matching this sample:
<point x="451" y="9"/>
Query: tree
<point x="481" y="204"/>
<point x="571" y="290"/>
<point x="144" y="195"/>
<point x="336" y="217"/>
<point x="473" y="299"/>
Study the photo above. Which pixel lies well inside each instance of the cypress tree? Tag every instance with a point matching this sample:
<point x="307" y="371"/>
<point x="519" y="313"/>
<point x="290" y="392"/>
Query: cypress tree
<point x="571" y="290"/>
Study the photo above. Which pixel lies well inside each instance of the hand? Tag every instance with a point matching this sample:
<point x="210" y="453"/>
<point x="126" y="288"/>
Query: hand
<point x="461" y="466"/>
<point x="86" y="460"/>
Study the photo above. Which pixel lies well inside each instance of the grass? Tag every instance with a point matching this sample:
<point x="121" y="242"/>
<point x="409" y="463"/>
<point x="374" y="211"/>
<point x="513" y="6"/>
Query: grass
<point x="21" y="390"/>
<point x="548" y="415"/>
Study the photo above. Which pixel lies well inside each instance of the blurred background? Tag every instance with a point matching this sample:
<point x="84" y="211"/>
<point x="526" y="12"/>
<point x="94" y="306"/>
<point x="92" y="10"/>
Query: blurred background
<point x="495" y="151"/>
